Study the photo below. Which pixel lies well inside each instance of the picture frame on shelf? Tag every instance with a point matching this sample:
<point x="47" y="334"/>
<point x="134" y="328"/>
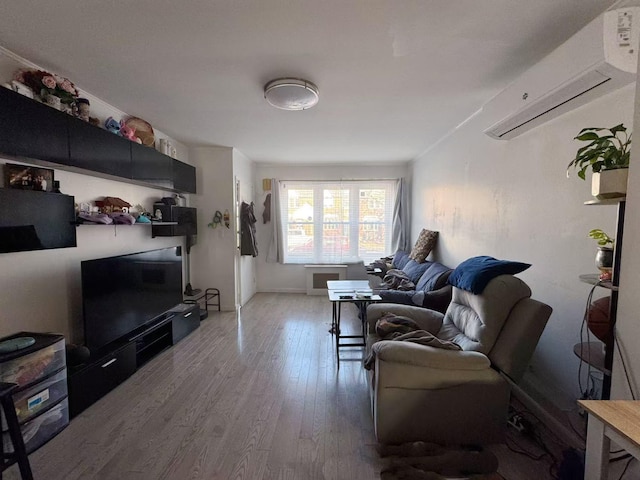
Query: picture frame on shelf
<point x="24" y="177"/>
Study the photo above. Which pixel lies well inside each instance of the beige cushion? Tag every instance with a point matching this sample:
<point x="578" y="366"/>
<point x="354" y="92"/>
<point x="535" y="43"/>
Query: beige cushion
<point x="475" y="321"/>
<point x="425" y="243"/>
<point x="426" y="356"/>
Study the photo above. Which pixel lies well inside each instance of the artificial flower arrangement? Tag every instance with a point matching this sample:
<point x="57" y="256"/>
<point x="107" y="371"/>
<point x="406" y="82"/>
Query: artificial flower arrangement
<point x="44" y="83"/>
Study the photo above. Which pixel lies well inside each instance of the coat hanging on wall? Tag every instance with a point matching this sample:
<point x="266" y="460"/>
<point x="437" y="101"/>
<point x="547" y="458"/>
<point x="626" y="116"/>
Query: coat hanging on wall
<point x="266" y="214"/>
<point x="248" y="245"/>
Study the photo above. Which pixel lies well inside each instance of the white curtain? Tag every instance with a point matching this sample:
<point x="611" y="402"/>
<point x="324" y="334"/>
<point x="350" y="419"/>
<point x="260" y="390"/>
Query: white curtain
<point x="401" y="236"/>
<point x="274" y="250"/>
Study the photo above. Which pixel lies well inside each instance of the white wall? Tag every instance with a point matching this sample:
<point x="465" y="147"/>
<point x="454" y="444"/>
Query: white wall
<point x="213" y="258"/>
<point x="628" y="318"/>
<point x="243" y="171"/>
<point x="512" y="200"/>
<point x="275" y="277"/>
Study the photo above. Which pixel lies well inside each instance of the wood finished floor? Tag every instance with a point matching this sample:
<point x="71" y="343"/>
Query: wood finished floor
<point x="256" y="396"/>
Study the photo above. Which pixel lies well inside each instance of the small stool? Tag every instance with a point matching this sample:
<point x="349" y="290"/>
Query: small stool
<point x="19" y="454"/>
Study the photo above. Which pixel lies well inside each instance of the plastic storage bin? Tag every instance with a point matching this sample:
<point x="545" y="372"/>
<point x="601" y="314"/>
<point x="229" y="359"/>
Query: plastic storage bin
<point x="39" y="397"/>
<point x="40" y="360"/>
<point x="37" y="431"/>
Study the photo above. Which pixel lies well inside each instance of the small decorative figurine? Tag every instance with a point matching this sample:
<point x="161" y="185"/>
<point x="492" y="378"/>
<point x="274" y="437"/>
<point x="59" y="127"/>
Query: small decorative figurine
<point x="83" y="108"/>
<point x="112" y="125"/>
<point x="128" y="132"/>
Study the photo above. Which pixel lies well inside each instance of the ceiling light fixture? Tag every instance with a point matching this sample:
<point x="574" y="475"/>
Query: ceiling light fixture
<point x="291" y="93"/>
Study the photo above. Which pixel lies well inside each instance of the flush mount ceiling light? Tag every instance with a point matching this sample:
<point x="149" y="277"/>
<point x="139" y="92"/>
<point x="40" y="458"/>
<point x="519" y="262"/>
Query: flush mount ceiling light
<point x="291" y="93"/>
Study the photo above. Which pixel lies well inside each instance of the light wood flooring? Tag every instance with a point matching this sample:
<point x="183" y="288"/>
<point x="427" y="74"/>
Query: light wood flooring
<point x="254" y="396"/>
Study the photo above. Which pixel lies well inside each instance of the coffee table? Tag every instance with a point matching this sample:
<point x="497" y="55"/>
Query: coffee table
<point x="344" y="291"/>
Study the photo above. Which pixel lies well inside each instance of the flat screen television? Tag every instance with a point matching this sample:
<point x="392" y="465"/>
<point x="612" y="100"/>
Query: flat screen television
<point x="124" y="293"/>
<point x="32" y="220"/>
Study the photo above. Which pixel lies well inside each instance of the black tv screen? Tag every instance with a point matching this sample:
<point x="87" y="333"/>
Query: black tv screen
<point x="121" y="294"/>
<point x="32" y="220"/>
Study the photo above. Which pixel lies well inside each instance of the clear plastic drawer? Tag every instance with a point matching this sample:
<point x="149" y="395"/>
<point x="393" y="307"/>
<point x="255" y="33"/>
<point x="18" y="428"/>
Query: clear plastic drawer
<point x="39" y="397"/>
<point x="39" y="430"/>
<point x="34" y="366"/>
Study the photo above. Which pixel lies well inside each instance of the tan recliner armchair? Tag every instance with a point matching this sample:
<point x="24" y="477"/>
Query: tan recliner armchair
<point x="450" y="397"/>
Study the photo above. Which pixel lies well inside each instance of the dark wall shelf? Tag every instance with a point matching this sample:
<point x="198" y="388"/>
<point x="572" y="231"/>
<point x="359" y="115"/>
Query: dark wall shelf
<point x="184" y="177"/>
<point x="98" y="150"/>
<point x="32" y="131"/>
<point x="179" y="221"/>
<point x="603" y="361"/>
<point x="152" y="167"/>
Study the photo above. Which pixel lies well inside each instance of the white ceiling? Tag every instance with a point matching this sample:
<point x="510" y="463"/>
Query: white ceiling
<point x="394" y="75"/>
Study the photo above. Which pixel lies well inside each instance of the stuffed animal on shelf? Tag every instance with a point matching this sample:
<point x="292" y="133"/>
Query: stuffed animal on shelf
<point x="128" y="132"/>
<point x="112" y="125"/>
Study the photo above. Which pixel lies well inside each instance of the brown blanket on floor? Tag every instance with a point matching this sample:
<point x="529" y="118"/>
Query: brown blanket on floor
<point x="428" y="461"/>
<point x="421" y="337"/>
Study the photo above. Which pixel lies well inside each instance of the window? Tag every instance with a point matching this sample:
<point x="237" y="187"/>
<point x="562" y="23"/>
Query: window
<point x="333" y="222"/>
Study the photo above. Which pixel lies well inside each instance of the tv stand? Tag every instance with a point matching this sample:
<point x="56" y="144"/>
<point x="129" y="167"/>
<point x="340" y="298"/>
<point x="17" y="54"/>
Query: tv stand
<point x="109" y="367"/>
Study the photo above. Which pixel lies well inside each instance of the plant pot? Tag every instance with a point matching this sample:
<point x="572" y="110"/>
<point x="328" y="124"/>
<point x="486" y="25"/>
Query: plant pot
<point x="609" y="183"/>
<point x="604" y="259"/>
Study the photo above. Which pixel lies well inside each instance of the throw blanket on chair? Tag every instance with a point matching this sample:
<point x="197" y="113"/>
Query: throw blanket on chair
<point x="397" y="280"/>
<point x="417" y="336"/>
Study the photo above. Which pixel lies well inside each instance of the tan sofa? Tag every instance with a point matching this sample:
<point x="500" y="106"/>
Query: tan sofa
<point x="424" y="393"/>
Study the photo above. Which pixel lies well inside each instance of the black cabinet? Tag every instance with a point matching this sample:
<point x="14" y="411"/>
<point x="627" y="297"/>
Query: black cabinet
<point x="98" y="150"/>
<point x="151" y="167"/>
<point x="36" y="220"/>
<point x="177" y="221"/>
<point x="31" y="129"/>
<point x="184" y="177"/>
<point x="90" y="383"/>
<point x="187" y="319"/>
<point x="105" y="371"/>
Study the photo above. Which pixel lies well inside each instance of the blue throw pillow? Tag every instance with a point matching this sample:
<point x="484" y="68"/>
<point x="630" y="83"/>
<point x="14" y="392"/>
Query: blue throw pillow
<point x="400" y="259"/>
<point x="475" y="273"/>
<point x="430" y="277"/>
<point x="414" y="270"/>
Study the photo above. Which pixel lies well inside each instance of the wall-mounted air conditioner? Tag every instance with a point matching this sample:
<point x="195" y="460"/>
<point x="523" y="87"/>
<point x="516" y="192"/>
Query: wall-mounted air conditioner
<point x="600" y="58"/>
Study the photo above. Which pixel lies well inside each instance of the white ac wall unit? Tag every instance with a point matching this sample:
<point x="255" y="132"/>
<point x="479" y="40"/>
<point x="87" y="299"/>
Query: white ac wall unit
<point x="600" y="58"/>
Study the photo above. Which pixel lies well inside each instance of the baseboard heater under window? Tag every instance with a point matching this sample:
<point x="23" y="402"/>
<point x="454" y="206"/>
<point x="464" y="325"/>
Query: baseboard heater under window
<point x="318" y="275"/>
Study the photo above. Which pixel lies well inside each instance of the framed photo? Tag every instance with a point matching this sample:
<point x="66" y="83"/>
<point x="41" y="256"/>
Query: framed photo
<point x="28" y="178"/>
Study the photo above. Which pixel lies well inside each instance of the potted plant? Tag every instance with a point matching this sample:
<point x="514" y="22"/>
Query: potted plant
<point x="604" y="256"/>
<point x="607" y="155"/>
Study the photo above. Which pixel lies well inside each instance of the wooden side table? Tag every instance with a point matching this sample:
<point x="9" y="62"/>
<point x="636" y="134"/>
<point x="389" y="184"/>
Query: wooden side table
<point x="617" y="420"/>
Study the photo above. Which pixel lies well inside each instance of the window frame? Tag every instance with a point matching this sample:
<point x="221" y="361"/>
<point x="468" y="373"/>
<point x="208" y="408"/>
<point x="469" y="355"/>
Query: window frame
<point x="319" y="253"/>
